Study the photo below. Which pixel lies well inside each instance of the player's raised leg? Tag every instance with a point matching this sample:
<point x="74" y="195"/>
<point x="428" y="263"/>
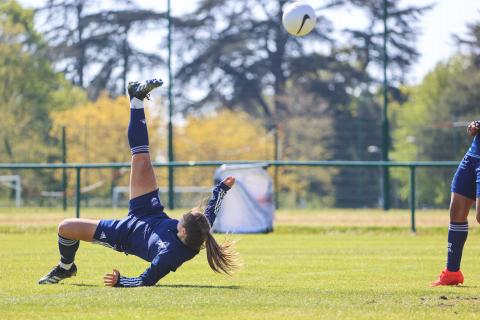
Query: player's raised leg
<point x="142" y="177"/>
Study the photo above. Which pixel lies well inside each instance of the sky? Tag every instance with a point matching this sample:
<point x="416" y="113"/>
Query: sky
<point x="446" y="18"/>
<point x="435" y="44"/>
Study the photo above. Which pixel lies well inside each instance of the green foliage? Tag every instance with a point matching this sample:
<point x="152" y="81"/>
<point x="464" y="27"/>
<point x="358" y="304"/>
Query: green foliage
<point x="30" y="90"/>
<point x="431" y="125"/>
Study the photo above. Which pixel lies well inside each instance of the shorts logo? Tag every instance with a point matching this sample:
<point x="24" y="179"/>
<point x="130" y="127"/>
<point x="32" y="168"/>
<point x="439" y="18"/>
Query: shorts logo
<point x="103" y="236"/>
<point x="155" y="202"/>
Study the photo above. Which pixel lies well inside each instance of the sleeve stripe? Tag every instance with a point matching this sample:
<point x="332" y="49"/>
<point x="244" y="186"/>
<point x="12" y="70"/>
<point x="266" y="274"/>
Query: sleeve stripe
<point x="130" y="282"/>
<point x="215" y="203"/>
<point x="221" y="194"/>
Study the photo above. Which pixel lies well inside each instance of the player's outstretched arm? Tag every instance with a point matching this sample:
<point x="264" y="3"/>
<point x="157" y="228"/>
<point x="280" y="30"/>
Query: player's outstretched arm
<point x="473" y="128"/>
<point x="216" y="199"/>
<point x="160" y="267"/>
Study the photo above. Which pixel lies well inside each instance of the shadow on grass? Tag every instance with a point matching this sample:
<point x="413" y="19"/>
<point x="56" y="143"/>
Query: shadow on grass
<point x="84" y="285"/>
<point x="169" y="286"/>
<point x="197" y="286"/>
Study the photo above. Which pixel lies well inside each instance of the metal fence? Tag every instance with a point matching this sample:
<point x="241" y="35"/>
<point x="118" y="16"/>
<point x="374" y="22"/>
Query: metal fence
<point x="411" y="168"/>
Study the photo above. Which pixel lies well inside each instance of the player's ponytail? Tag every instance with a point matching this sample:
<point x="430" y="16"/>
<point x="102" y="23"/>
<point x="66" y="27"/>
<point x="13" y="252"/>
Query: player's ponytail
<point x="222" y="258"/>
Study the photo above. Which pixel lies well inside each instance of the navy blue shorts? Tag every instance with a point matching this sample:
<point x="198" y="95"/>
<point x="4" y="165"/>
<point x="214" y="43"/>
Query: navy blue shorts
<point x="466" y="180"/>
<point x="113" y="233"/>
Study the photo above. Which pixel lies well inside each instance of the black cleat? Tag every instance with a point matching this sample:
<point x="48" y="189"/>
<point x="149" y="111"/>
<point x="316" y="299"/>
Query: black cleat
<point x="58" y="274"/>
<point x="141" y="90"/>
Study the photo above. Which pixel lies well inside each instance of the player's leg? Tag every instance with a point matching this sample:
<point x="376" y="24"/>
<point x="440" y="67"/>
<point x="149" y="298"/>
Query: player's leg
<point x="142" y="177"/>
<point x="457" y="236"/>
<point x="70" y="232"/>
<point x="458" y="229"/>
<point x="477" y="205"/>
<point x="78" y="229"/>
<point x="463" y="197"/>
<point x="477" y="180"/>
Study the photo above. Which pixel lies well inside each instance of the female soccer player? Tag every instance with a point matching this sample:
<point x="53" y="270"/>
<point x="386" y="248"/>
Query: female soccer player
<point x="147" y="231"/>
<point x="465" y="191"/>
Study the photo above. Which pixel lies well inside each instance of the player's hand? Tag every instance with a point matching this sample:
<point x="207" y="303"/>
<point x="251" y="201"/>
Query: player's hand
<point x="111" y="279"/>
<point x="473" y="128"/>
<point x="229" y="181"/>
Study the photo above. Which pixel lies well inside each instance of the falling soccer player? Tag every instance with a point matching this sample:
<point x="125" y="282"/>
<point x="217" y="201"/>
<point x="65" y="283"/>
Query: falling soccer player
<point x="147" y="231"/>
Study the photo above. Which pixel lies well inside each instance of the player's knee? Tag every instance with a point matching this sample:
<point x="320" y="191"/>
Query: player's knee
<point x="142" y="163"/>
<point x="478" y="217"/>
<point x="65" y="226"/>
<point x="457" y="215"/>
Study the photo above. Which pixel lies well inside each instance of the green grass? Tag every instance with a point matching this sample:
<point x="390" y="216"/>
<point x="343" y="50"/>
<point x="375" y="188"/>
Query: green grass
<point x="297" y="272"/>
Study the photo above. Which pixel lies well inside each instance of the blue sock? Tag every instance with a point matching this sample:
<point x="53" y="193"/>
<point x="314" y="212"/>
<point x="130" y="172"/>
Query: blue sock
<point x="457" y="235"/>
<point x="137" y="128"/>
<point x="67" y="248"/>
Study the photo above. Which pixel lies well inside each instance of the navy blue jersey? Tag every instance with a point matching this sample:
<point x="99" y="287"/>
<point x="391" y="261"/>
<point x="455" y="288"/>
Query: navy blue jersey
<point x="474" y="150"/>
<point x="150" y="234"/>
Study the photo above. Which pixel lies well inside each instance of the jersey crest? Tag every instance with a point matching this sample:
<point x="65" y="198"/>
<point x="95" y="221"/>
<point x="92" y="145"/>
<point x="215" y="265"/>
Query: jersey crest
<point x="162" y="246"/>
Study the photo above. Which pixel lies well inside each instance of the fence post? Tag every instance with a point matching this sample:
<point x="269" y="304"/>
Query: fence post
<point x="412" y="197"/>
<point x="64" y="173"/>
<point x="385" y="124"/>
<point x="78" y="193"/>
<point x="171" y="194"/>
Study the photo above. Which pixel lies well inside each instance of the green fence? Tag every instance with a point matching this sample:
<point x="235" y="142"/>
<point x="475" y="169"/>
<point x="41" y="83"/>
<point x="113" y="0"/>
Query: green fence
<point x="411" y="166"/>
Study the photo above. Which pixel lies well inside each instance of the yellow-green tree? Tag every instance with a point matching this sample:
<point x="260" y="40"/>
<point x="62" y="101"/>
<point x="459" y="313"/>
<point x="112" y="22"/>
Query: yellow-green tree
<point x="96" y="133"/>
<point x="224" y="135"/>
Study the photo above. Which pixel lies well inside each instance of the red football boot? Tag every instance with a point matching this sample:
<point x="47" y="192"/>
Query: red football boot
<point x="448" y="278"/>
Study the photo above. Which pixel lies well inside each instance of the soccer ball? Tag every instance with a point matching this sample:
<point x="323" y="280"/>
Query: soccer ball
<point x="298" y="18"/>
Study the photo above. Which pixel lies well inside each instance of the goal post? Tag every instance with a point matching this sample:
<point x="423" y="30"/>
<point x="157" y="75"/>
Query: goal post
<point x="13" y="182"/>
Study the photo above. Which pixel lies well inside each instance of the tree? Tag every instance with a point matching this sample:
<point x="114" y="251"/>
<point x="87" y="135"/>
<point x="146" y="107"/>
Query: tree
<point x="366" y="44"/>
<point x="96" y="132"/>
<point x="252" y="64"/>
<point x="360" y="186"/>
<point x="94" y="46"/>
<point x="250" y="56"/>
<point x="30" y="88"/>
<point x="471" y="42"/>
<point x="225" y="135"/>
<point x="430" y="126"/>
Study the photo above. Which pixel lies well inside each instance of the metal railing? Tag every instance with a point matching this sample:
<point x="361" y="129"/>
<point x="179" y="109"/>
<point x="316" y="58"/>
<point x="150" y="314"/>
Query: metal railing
<point x="78" y="167"/>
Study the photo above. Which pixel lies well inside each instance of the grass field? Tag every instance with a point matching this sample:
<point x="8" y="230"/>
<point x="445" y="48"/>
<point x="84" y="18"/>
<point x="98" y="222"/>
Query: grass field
<point x="312" y="267"/>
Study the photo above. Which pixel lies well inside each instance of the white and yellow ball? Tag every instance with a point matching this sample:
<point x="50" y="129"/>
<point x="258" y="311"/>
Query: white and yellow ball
<point x="299" y="18"/>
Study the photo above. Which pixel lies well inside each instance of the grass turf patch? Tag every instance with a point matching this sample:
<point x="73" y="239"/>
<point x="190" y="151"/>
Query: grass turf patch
<point x="297" y="272"/>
